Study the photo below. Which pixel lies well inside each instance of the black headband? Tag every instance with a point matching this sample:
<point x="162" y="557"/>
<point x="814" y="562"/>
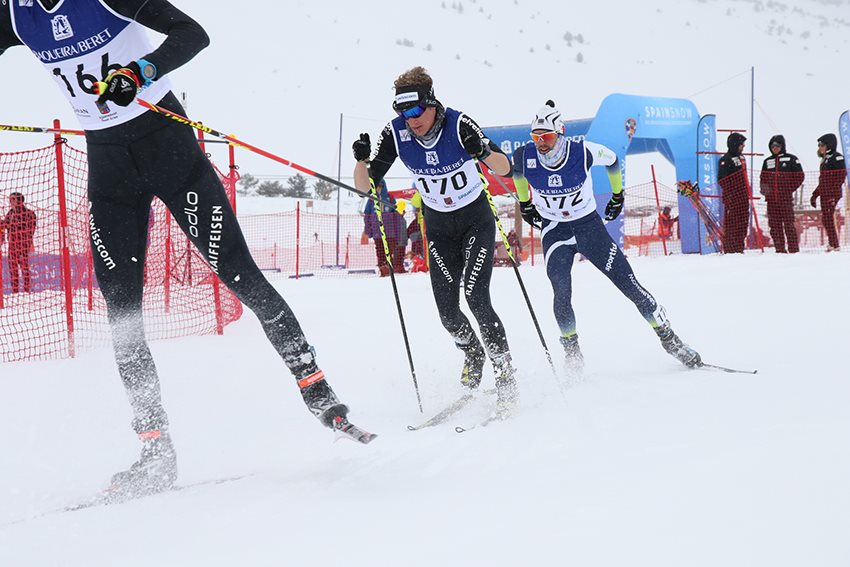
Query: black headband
<point x="409" y="96"/>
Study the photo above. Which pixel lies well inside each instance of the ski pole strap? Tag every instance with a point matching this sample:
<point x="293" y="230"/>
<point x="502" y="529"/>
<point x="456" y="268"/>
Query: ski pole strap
<point x="311" y="379"/>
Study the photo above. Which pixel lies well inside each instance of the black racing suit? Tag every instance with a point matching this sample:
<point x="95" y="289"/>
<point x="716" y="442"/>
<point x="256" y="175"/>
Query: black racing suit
<point x="460" y="244"/>
<point x="832" y="176"/>
<point x="151" y="156"/>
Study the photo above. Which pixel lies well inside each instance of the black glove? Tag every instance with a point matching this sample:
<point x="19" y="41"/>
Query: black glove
<point x="120" y="86"/>
<point x="475" y="146"/>
<point x="615" y="205"/>
<point x="814" y="200"/>
<point x="362" y="148"/>
<point x="530" y="214"/>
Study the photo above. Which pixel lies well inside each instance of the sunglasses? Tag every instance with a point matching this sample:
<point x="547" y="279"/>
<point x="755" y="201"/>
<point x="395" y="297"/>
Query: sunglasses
<point x="547" y="137"/>
<point x="414" y="112"/>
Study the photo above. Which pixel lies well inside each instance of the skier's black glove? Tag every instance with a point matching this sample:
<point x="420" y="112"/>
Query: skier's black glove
<point x="814" y="199"/>
<point x="362" y="148"/>
<point x="615" y="206"/>
<point x="475" y="146"/>
<point x="530" y="214"/>
<point x="120" y="86"/>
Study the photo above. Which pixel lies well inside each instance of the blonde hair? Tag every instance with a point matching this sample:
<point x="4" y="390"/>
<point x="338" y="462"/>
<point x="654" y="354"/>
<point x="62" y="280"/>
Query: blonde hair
<point x="417" y="76"/>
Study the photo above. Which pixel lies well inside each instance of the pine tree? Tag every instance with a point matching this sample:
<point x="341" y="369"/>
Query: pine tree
<point x="296" y="187"/>
<point x="247" y="184"/>
<point x="323" y="190"/>
<point x="271" y="188"/>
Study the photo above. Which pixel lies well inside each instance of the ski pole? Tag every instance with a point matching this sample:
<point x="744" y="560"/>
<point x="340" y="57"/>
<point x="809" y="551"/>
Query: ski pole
<point x="39" y="130"/>
<point x="389" y="260"/>
<point x="233" y="140"/>
<point x="516" y="271"/>
<point x="65" y="131"/>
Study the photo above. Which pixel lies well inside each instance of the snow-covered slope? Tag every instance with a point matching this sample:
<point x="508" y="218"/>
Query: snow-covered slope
<point x="644" y="463"/>
<point x="280" y="74"/>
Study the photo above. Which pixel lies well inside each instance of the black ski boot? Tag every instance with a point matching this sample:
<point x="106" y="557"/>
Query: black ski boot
<point x="507" y="393"/>
<point x="473" y="365"/>
<point x="321" y="400"/>
<point x="574" y="358"/>
<point x="155" y="471"/>
<point x="675" y="347"/>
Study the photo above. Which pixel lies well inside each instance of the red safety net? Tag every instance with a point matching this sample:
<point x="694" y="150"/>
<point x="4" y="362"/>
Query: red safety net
<point x="61" y="310"/>
<point x="58" y="309"/>
<point x="302" y="243"/>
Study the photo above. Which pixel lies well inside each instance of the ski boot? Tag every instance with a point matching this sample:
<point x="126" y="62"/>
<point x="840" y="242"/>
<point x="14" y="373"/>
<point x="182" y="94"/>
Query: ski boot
<point x="574" y="360"/>
<point x="155" y="471"/>
<point x="321" y="399"/>
<point x="675" y="347"/>
<point x="507" y="393"/>
<point x="473" y="365"/>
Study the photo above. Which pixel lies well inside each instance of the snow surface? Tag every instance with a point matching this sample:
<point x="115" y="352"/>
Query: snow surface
<point x="642" y="463"/>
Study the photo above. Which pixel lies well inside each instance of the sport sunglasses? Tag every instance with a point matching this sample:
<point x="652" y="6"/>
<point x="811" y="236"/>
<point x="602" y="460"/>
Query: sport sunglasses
<point x="414" y="112"/>
<point x="546" y="137"/>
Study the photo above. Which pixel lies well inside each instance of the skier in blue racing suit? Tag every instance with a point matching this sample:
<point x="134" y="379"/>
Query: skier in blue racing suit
<point x="552" y="177"/>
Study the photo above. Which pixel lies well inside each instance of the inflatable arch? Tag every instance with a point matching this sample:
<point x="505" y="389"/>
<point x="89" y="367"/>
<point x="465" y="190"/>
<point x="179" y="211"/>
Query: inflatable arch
<point x="631" y="124"/>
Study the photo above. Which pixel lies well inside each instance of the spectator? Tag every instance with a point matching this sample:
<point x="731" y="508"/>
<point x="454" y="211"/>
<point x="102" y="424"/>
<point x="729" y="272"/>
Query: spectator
<point x="832" y="175"/>
<point x="515" y="243"/>
<point x="417" y="245"/>
<point x="20" y="225"/>
<point x="732" y="177"/>
<point x="372" y="230"/>
<point x="414" y="234"/>
<point x="666" y="223"/>
<point x="396" y="230"/>
<point x="781" y="175"/>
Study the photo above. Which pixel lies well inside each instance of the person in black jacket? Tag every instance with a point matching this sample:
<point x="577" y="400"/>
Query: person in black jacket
<point x="20" y="223"/>
<point x="372" y="230"/>
<point x="396" y="230"/>
<point x="781" y="175"/>
<point x="100" y="56"/>
<point x="732" y="177"/>
<point x="832" y="176"/>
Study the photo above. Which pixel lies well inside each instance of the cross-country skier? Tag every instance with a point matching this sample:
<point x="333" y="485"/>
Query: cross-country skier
<point x="133" y="156"/>
<point x="556" y="170"/>
<point x="440" y="147"/>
